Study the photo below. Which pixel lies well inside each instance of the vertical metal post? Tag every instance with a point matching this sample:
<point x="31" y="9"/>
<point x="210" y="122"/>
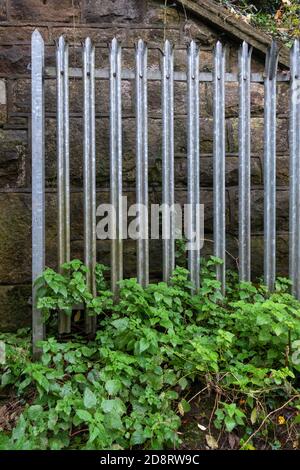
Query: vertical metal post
<point x="244" y="163"/>
<point x="193" y="164"/>
<point x="168" y="214"/>
<point x="38" y="180"/>
<point x="63" y="182"/>
<point x="294" y="242"/>
<point x="270" y="168"/>
<point x="219" y="160"/>
<point x="89" y="173"/>
<point x="142" y="162"/>
<point x="116" y="165"/>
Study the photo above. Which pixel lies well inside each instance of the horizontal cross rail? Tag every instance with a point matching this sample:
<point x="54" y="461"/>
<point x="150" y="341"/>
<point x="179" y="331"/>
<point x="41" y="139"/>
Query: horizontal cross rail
<point x="155" y="75"/>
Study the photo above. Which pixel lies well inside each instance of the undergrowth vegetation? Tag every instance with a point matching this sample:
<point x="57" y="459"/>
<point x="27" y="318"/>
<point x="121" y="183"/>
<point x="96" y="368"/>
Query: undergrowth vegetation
<point x="281" y="18"/>
<point x="156" y="351"/>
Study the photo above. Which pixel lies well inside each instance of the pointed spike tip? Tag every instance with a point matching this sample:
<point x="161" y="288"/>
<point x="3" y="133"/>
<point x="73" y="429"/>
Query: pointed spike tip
<point x="168" y="49"/>
<point x="37" y="35"/>
<point x="61" y="40"/>
<point x="245" y="47"/>
<point x="193" y="47"/>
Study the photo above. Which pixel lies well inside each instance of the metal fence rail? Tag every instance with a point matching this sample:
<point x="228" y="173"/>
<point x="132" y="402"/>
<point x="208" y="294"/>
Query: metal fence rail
<point x="167" y="76"/>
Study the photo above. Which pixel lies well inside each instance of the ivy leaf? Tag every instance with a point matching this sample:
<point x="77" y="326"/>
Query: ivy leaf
<point x="89" y="399"/>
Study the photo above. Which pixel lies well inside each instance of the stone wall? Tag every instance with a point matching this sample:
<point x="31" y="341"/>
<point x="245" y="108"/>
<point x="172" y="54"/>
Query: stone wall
<point x="127" y="20"/>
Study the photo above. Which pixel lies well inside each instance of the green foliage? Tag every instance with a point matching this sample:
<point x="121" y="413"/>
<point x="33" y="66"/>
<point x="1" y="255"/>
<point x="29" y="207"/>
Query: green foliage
<point x="60" y="292"/>
<point x="129" y="387"/>
<point x="230" y="415"/>
<point x="276" y="17"/>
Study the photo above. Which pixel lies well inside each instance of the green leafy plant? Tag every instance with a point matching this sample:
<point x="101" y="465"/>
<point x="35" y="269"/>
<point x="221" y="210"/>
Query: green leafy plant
<point x="131" y="385"/>
<point x="230" y="416"/>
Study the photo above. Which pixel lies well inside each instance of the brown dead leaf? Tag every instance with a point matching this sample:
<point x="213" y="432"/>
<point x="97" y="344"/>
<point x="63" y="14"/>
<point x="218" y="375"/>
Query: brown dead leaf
<point x="211" y="442"/>
<point x="77" y="316"/>
<point x="233" y="441"/>
<point x="278" y="15"/>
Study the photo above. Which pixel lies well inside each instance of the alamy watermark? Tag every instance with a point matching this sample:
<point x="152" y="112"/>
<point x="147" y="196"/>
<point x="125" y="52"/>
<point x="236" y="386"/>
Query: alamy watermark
<point x="138" y="222"/>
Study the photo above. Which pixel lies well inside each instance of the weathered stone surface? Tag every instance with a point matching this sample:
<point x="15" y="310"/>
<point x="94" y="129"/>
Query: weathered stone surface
<point x="257" y="202"/>
<point x="15" y="244"/>
<point x="2" y="10"/>
<point x="13" y="154"/>
<point x="257" y="253"/>
<point x="102" y="148"/>
<point x="152" y="36"/>
<point x="98" y="34"/>
<point x="15" y="59"/>
<point x="206" y="171"/>
<point x="15" y="309"/>
<point x="104" y="35"/>
<point x="204" y="35"/>
<point x="232" y="99"/>
<point x="20" y="97"/>
<point x="95" y="11"/>
<point x="161" y="14"/>
<point x="257" y="135"/>
<point x="282" y="171"/>
<point x="10" y="34"/>
<point x="283" y="99"/>
<point x="45" y="10"/>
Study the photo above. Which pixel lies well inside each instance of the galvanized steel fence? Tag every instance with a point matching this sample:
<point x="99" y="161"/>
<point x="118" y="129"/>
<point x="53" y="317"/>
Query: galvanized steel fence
<point x="167" y="76"/>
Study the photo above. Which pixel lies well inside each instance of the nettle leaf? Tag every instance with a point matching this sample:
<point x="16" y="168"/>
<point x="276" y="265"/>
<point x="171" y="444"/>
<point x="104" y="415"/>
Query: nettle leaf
<point x="113" y="386"/>
<point x="138" y="437"/>
<point x="113" y="421"/>
<point x="183" y="383"/>
<point x="89" y="398"/>
<point x="115" y="405"/>
<point x="35" y="412"/>
<point x="143" y="345"/>
<point x="262" y="319"/>
<point x="84" y="415"/>
<point x="19" y="430"/>
<point x="278" y="330"/>
<point x="41" y="380"/>
<point x="121" y="324"/>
